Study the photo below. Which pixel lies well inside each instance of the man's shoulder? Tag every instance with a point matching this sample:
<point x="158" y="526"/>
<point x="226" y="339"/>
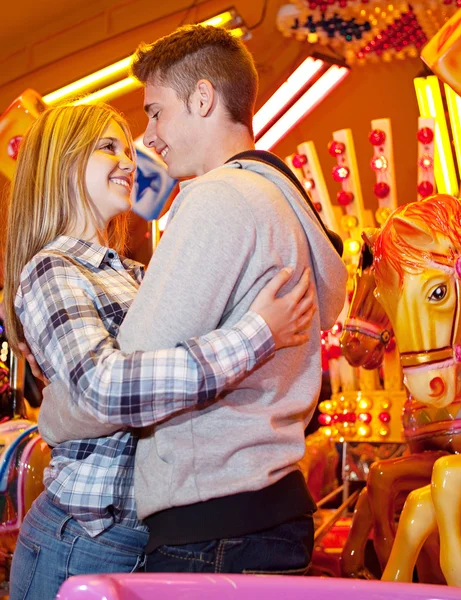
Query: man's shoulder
<point x="250" y="186"/>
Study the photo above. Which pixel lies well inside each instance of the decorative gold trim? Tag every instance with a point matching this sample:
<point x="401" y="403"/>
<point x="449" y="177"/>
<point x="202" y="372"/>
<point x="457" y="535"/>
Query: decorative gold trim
<point x="414" y="359"/>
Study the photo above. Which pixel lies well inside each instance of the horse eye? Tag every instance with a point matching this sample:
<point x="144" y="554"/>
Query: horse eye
<point x="439" y="293"/>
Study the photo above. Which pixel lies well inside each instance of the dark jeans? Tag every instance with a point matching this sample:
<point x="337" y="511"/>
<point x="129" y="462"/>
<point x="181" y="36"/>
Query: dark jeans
<point x="282" y="550"/>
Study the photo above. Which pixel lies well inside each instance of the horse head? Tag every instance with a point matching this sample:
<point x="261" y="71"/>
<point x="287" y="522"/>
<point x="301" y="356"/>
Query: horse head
<point x="367" y="328"/>
<point x="417" y="261"/>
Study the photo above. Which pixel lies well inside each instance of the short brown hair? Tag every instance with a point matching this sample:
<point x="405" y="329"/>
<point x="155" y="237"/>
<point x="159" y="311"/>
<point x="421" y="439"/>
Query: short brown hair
<point x="195" y="52"/>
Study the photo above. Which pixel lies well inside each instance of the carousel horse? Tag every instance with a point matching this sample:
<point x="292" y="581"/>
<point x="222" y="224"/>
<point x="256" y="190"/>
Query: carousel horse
<point x="367" y="330"/>
<point x="431" y="432"/>
<point x="417" y="260"/>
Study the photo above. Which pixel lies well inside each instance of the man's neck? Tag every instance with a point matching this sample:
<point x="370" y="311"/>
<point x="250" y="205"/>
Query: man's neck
<point x="227" y="144"/>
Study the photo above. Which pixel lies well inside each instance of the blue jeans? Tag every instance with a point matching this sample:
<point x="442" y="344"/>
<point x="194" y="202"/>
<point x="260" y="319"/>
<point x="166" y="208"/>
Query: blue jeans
<point x="282" y="550"/>
<point x="52" y="546"/>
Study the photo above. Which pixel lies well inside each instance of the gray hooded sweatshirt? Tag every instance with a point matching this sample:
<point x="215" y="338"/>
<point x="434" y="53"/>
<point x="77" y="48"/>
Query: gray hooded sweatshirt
<point x="230" y="232"/>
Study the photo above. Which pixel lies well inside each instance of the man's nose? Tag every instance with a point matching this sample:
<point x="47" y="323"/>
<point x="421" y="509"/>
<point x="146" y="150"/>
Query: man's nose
<point x="150" y="136"/>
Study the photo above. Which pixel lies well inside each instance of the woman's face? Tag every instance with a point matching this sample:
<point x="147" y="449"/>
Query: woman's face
<point x="110" y="173"/>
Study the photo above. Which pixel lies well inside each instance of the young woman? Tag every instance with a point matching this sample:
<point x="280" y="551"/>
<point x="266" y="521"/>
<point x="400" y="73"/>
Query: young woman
<point x="67" y="290"/>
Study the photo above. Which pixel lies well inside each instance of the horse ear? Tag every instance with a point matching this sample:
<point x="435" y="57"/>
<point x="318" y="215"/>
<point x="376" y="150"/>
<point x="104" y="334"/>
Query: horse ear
<point x="369" y="235"/>
<point x="415" y="234"/>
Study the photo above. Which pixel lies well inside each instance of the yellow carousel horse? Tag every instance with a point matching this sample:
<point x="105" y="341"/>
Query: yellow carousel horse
<point x="365" y="339"/>
<point x="417" y="261"/>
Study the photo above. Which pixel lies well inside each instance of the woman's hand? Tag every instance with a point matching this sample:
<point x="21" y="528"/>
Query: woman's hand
<point x="288" y="316"/>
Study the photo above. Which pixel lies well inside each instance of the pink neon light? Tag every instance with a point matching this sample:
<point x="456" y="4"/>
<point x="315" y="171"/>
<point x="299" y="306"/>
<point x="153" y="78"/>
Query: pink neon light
<point x="314" y="95"/>
<point x="282" y="97"/>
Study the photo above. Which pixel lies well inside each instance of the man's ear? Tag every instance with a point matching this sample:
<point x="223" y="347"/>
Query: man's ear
<point x="205" y="97"/>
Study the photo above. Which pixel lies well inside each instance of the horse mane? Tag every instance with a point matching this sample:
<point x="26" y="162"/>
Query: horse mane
<point x="441" y="214"/>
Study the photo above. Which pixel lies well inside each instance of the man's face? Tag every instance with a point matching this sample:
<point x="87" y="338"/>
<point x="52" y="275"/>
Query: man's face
<point x="173" y="131"/>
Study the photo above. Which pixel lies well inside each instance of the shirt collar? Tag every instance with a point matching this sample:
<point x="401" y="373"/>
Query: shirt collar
<point x="90" y="253"/>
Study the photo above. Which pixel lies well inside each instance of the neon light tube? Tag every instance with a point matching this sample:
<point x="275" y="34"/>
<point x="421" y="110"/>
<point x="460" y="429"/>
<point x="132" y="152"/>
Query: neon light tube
<point x="308" y="101"/>
<point x="112" y="91"/>
<point x="88" y="82"/>
<point x="220" y="20"/>
<point x="454" y="110"/>
<point x="283" y="96"/>
<point x="431" y="105"/>
<point x="121" y="67"/>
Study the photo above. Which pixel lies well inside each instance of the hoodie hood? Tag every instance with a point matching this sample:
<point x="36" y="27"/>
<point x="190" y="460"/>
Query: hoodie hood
<point x="328" y="269"/>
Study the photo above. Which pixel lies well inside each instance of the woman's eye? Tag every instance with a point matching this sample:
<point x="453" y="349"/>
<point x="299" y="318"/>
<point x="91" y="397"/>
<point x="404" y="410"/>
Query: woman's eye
<point x="438" y="294"/>
<point x="108" y="146"/>
<point x="156" y="115"/>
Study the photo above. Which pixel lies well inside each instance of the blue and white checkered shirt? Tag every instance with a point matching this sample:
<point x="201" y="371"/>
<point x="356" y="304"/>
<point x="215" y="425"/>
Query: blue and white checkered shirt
<point x="72" y="299"/>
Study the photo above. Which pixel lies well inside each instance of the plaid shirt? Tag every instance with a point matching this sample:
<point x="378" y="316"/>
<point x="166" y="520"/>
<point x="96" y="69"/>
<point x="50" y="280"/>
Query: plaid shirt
<point x="72" y="299"/>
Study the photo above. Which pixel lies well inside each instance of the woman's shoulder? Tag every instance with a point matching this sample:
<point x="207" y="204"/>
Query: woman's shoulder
<point x="47" y="264"/>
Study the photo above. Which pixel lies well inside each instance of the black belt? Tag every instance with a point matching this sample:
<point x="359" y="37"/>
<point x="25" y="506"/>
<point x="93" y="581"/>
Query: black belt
<point x="231" y="516"/>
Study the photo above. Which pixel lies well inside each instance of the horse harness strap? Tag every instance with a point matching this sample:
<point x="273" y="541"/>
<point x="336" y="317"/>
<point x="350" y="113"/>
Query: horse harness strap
<point x="355" y="325"/>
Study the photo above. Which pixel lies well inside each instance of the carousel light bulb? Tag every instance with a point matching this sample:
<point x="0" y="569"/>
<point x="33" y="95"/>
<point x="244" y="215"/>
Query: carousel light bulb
<point x="324" y="419"/>
<point x="364" y="417"/>
<point x="382" y="214"/>
<point x="348" y="222"/>
<point x="344" y="197"/>
<point x="352" y="247"/>
<point x="349" y="405"/>
<point x="426" y="162"/>
<point x="326" y="407"/>
<point x="299" y="160"/>
<point x="379" y="163"/>
<point x="337" y="328"/>
<point x="384" y="431"/>
<point x="365" y="404"/>
<point x="336" y="148"/>
<point x="364" y="431"/>
<point x="340" y="173"/>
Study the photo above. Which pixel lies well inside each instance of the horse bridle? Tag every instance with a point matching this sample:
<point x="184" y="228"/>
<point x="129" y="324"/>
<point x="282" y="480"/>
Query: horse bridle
<point x="354" y="325"/>
<point x="453" y="351"/>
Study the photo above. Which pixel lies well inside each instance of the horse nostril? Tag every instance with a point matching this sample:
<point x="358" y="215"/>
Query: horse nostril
<point x="437" y="386"/>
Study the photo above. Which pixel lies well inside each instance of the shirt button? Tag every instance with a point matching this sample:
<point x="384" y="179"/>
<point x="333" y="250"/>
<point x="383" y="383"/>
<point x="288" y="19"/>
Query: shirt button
<point x="110" y="255"/>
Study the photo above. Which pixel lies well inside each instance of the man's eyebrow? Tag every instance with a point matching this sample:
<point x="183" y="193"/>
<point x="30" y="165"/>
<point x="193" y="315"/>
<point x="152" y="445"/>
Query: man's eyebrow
<point x="147" y="107"/>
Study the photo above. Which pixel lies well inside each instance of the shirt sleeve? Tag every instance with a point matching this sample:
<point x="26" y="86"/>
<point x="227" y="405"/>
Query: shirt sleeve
<point x="66" y="335"/>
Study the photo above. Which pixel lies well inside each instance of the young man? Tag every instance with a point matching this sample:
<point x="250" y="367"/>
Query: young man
<point x="219" y="487"/>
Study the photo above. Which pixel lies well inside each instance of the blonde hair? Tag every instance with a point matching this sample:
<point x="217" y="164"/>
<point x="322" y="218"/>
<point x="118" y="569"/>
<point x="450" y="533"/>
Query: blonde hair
<point x="47" y="189"/>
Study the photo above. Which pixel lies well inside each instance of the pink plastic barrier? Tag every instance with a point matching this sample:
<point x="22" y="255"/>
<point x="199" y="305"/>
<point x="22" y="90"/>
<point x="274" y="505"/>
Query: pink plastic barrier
<point x="171" y="586"/>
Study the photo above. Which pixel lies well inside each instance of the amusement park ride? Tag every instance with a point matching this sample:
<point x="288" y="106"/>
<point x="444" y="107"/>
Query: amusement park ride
<point x="23" y="457"/>
<point x="393" y="358"/>
<point x="403" y="318"/>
